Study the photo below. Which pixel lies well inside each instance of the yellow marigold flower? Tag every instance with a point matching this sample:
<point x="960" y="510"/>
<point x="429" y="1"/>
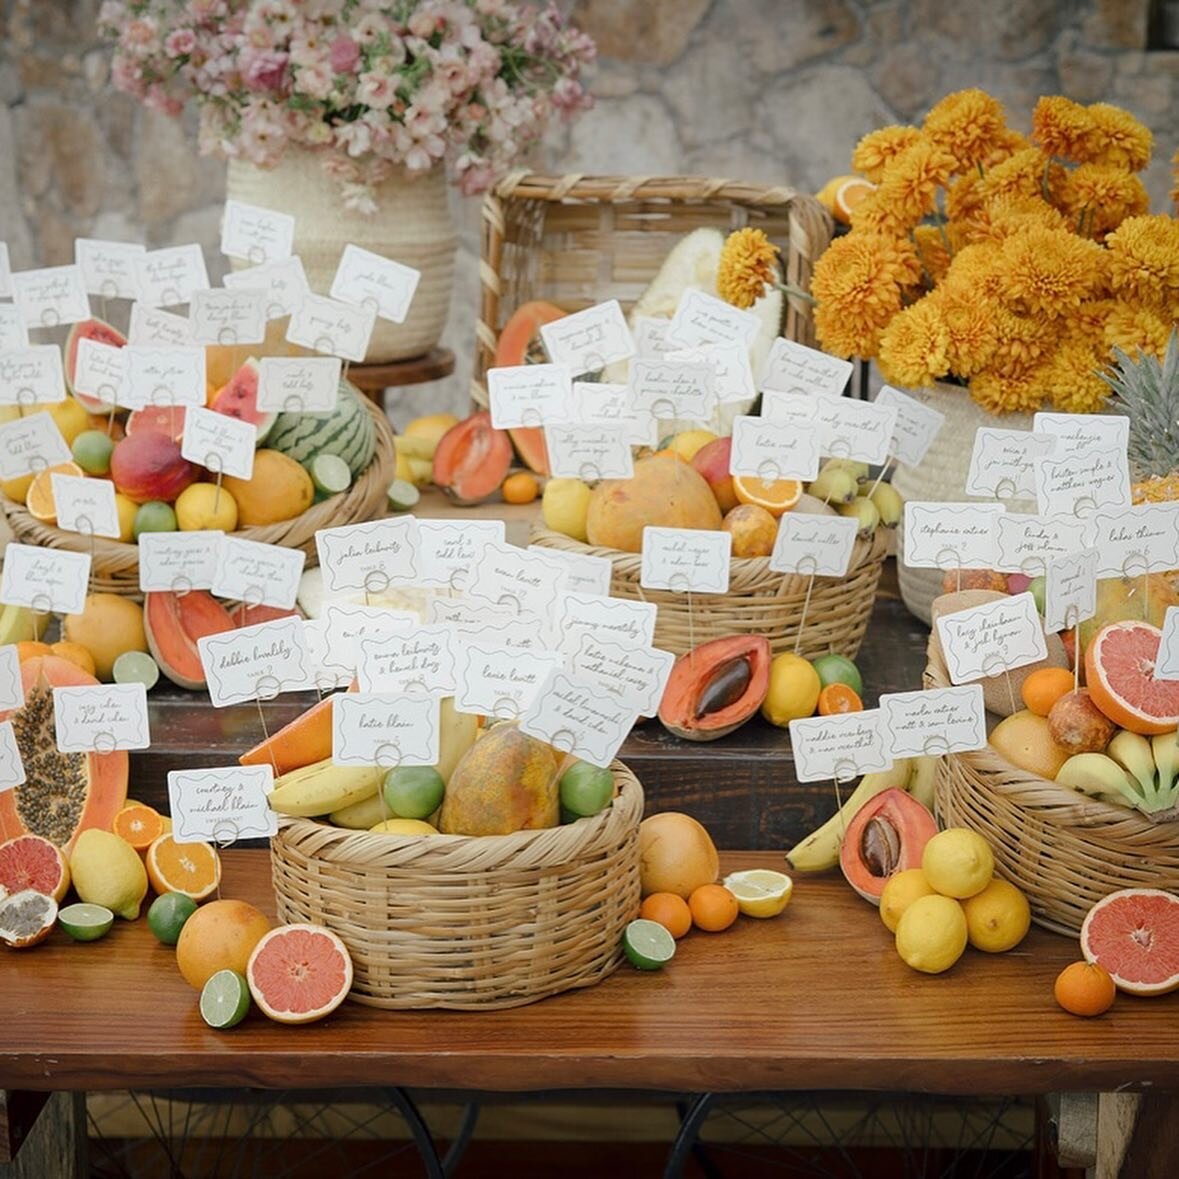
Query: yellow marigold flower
<point x="1049" y="271"/>
<point x="1118" y="139"/>
<point x="915" y="347"/>
<point x="747" y="266"/>
<point x="1144" y="260"/>
<point x="966" y="124"/>
<point x="877" y="215"/>
<point x="1099" y="197"/>
<point x="973" y="328"/>
<point x="1136" y="329"/>
<point x="964" y="196"/>
<point x="1025" y="341"/>
<point x="1023" y="174"/>
<point x="1063" y="127"/>
<point x="998" y="394"/>
<point x="878" y="148"/>
<point x="1071" y="379"/>
<point x="911" y="181"/>
<point x="1006" y="144"/>
<point x="933" y="250"/>
<point x="1004" y="216"/>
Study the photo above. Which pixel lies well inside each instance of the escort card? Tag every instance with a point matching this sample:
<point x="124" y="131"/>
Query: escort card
<point x="615" y="619"/>
<point x="584" y="574"/>
<point x="917" y="425"/>
<point x="1024" y="543"/>
<point x="447" y="549"/>
<point x="53" y="295"/>
<point x="769" y="450"/>
<point x="13" y="333"/>
<point x="1070" y="590"/>
<point x="33" y="374"/>
<point x="228" y="316"/>
<point x="255" y="662"/>
<point x="298" y="384"/>
<point x="369" y="557"/>
<point x="500" y="681"/>
<point x="589" y="453"/>
<point x="507" y="575"/>
<point x="85" y="505"/>
<point x="218" y="442"/>
<point x="331" y="327"/>
<point x="794" y="368"/>
<point x="12" y="770"/>
<point x="221" y="804"/>
<point x="108" y="268"/>
<point x="701" y="319"/>
<point x="31" y="443"/>
<point x="44" y="579"/>
<point x="1136" y="540"/>
<point x="529" y="395"/>
<point x="860" y="430"/>
<point x="177" y="561"/>
<point x="285" y="284"/>
<point x="1077" y="432"/>
<point x="254" y="234"/>
<point x="668" y="389"/>
<point x="319" y="652"/>
<point x="950" y="536"/>
<point x="169" y="276"/>
<point x="651" y="336"/>
<point x="1003" y="462"/>
<point x="420" y="663"/>
<point x="12" y="691"/>
<point x="370" y="729"/>
<point x="162" y="376"/>
<point x="801" y="408"/>
<point x="814" y="546"/>
<point x="5" y="272"/>
<point x="151" y="327"/>
<point x="346" y="623"/>
<point x="732" y="376"/>
<point x="686" y="560"/>
<point x="934" y="721"/>
<point x="1166" y="666"/>
<point x="610" y="405"/>
<point x="101" y="718"/>
<point x="255" y="573"/>
<point x="839" y="746"/>
<point x="573" y="715"/>
<point x="635" y="676"/>
<point x="380" y="284"/>
<point x="1083" y="482"/>
<point x="997" y="636"/>
<point x="99" y="370"/>
<point x="524" y="630"/>
<point x="588" y="340"/>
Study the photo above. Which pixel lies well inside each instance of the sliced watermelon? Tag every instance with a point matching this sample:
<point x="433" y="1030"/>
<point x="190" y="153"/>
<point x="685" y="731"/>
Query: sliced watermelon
<point x="239" y="399"/>
<point x="101" y="332"/>
<point x="160" y="419"/>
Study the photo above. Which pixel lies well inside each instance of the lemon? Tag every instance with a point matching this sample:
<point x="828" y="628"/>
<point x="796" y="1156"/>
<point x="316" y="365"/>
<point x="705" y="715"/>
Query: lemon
<point x="200" y="506"/>
<point x="931" y="934"/>
<point x="565" y="505"/>
<point x="69" y="416"/>
<point x="998" y="918"/>
<point x="430" y="429"/>
<point x="900" y="892"/>
<point x="403" y="827"/>
<point x="106" y="870"/>
<point x="958" y="862"/>
<point x="17" y="489"/>
<point x="690" y="441"/>
<point x="126" y="509"/>
<point x="760" y="892"/>
<point x="794" y="690"/>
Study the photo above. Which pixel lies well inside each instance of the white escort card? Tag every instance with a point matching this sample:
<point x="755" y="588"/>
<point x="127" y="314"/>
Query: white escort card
<point x="331" y="327"/>
<point x="860" y="430"/>
<point x="31" y="443"/>
<point x="99" y="370"/>
<point x="668" y="389"/>
<point x="85" y="505"/>
<point x="1070" y="590"/>
<point x="651" y="336"/>
<point x="934" y="721"/>
<point x="44" y="579"/>
<point x="614" y="405"/>
<point x="101" y="718"/>
<point x="13" y="333"/>
<point x="584" y="574"/>
<point x="380" y="284"/>
<point x="1024" y="544"/>
<point x="686" y="560"/>
<point x="636" y="676"/>
<point x="162" y="376"/>
<point x="506" y="575"/>
<point x="12" y="769"/>
<point x="769" y="450"/>
<point x="1166" y="665"/>
<point x="573" y="715"/>
<point x="151" y="327"/>
<point x="12" y="691"/>
<point x="529" y="395"/>
<point x="221" y="804"/>
<point x="218" y="442"/>
<point x="253" y="234"/>
<point x="319" y="652"/>
<point x="1140" y="539"/>
<point x="997" y="636"/>
<point x="917" y="425"/>
<point x="255" y="662"/>
<point x="177" y="561"/>
<point x="794" y="368"/>
<point x="369" y="557"/>
<point x="701" y="319"/>
<point x="732" y="375"/>
<point x="800" y="408"/>
<point x="346" y="623"/>
<point x="1082" y="482"/>
<point x="298" y="384"/>
<point x="522" y="630"/>
<point x="256" y="573"/>
<point x="818" y="546"/>
<point x="1077" y="432"/>
<point x="50" y="296"/>
<point x="447" y="550"/>
<point x="370" y="729"/>
<point x="167" y="277"/>
<point x="5" y="272"/>
<point x="589" y="340"/>
<point x="108" y="268"/>
<point x="33" y="374"/>
<point x="1003" y="462"/>
<point x="840" y="746"/>
<point x="285" y="284"/>
<point x="614" y="619"/>
<point x="589" y="453"/>
<point x="950" y="536"/>
<point x="228" y="316"/>
<point x="420" y="662"/>
<point x="493" y="680"/>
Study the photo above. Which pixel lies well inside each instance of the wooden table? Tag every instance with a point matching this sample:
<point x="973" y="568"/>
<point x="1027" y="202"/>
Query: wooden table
<point x="374" y="379"/>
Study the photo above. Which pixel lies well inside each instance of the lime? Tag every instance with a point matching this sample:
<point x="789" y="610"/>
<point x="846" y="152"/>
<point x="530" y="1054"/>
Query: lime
<point x="760" y="892"/>
<point x="403" y="495"/>
<point x="136" y="667"/>
<point x="413" y="792"/>
<point x="92" y="452"/>
<point x="330" y="474"/>
<point x="586" y="789"/>
<point x="225" y="999"/>
<point x="567" y="816"/>
<point x="167" y="916"/>
<point x="154" y="516"/>
<point x="1037" y="587"/>
<point x="839" y="669"/>
<point x="86" y="923"/>
<point x="647" y="944"/>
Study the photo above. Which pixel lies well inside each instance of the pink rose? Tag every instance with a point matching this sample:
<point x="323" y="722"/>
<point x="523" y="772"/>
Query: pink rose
<point x="264" y="69"/>
<point x="180" y="43"/>
<point x="344" y="54"/>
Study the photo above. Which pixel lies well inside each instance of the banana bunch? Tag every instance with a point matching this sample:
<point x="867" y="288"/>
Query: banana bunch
<point x="819" y="851"/>
<point x="415" y="459"/>
<point x="844" y="484"/>
<point x="323" y="787"/>
<point x="1134" y="771"/>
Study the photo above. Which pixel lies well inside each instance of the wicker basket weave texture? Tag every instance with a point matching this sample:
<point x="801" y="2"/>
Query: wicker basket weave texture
<point x="469" y="922"/>
<point x="1064" y="850"/>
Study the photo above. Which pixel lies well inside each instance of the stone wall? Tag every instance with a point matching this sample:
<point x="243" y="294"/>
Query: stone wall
<point x="773" y="90"/>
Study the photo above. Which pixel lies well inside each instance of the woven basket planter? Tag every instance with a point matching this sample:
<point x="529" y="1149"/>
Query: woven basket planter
<point x="471" y="923"/>
<point x="760" y="601"/>
<point x="1063" y="850"/>
<point x="115" y="567"/>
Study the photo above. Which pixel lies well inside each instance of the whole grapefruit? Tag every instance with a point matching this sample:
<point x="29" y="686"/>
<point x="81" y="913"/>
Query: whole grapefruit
<point x="219" y="936"/>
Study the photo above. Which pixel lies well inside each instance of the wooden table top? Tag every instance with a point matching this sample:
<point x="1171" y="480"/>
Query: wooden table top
<point x="813" y="1000"/>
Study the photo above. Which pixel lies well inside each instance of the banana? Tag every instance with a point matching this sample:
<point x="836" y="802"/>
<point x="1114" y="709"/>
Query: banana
<point x="362" y="815"/>
<point x="922" y="778"/>
<point x="889" y="504"/>
<point x="457" y="733"/>
<point x="819" y="851"/>
<point x="1100" y="777"/>
<point x="323" y="787"/>
<point x="864" y="511"/>
<point x="415" y="448"/>
<point x="854" y="466"/>
<point x="1135" y="755"/>
<point x="1166" y="757"/>
<point x="835" y="485"/>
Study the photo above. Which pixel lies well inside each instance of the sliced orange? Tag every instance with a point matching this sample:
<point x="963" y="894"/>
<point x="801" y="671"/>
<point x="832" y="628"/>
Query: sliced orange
<point x="40" y="498"/>
<point x="139" y="825"/>
<point x="848" y="195"/>
<point x="837" y="698"/>
<point x="191" y="868"/>
<point x="775" y="495"/>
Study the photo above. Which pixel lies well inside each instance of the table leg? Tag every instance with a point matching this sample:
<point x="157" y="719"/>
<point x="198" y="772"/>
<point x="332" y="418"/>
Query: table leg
<point x="691" y="1119"/>
<point x="423" y="1140"/>
<point x="52" y="1142"/>
<point x="1137" y="1136"/>
<point x="458" y="1147"/>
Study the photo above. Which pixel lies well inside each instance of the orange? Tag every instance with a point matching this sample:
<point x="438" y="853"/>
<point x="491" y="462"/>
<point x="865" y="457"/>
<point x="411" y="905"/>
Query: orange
<point x="848" y="195"/>
<point x="1119" y="670"/>
<point x="1044" y="687"/>
<point x="75" y="653"/>
<point x="40" y="498"/>
<point x="713" y="907"/>
<point x="836" y="698"/>
<point x="31" y="648"/>
<point x="1084" y="988"/>
<point x="140" y="825"/>
<point x="775" y="495"/>
<point x="520" y="488"/>
<point x="670" y="910"/>
<point x="219" y="936"/>
<point x="191" y="868"/>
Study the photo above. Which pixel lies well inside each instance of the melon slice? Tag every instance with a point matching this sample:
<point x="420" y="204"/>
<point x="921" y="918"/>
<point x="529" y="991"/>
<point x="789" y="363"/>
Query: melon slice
<point x="303" y="742"/>
<point x="472" y="459"/>
<point x="239" y="399"/>
<point x="253" y="615"/>
<point x="173" y="624"/>
<point x="63" y="793"/>
<point x="102" y="333"/>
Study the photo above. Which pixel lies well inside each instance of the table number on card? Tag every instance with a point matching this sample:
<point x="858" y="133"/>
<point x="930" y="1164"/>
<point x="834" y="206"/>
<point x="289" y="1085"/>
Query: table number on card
<point x="257" y="235"/>
<point x="418" y="663"/>
<point x="298" y="384"/>
<point x="934" y="721"/>
<point x="256" y="573"/>
<point x="819" y="546"/>
<point x="85" y="505"/>
<point x="162" y="376"/>
<point x="1077" y="432"/>
<point x="685" y="560"/>
<point x="255" y="662"/>
<point x="995" y="637"/>
<point x="769" y="450"/>
<point x="588" y="340"/>
<point x="169" y="276"/>
<point x="51" y="296"/>
<point x="13" y="333"/>
<point x="370" y="729"/>
<point x="222" y="444"/>
<point x="588" y="452"/>
<point x="284" y="284"/>
<point x="636" y="676"/>
<point x="1082" y="482"/>
<point x="917" y="425"/>
<point x="701" y="319"/>
<point x="101" y="718"/>
<point x="574" y="715"/>
<point x="950" y="536"/>
<point x="108" y="268"/>
<point x="800" y="408"/>
<point x="369" y="280"/>
<point x="12" y="769"/>
<point x="840" y="746"/>
<point x="669" y="389"/>
<point x="221" y="804"/>
<point x="500" y="681"/>
<point x="228" y="316"/>
<point x="153" y="328"/>
<point x="529" y="395"/>
<point x="330" y="327"/>
<point x="45" y="579"/>
<point x="1003" y="462"/>
<point x="12" y="690"/>
<point x="794" y="368"/>
<point x="1070" y="590"/>
<point x="368" y="557"/>
<point x="1140" y="539"/>
<point x="1023" y="544"/>
<point x="178" y="561"/>
<point x="447" y="549"/>
<point x="31" y="375"/>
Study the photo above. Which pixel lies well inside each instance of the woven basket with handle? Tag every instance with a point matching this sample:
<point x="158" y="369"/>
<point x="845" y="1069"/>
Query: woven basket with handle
<point x="466" y="922"/>
<point x="1063" y="850"/>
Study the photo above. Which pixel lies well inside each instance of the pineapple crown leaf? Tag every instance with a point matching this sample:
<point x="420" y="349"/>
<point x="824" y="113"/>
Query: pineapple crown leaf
<point x="1147" y="392"/>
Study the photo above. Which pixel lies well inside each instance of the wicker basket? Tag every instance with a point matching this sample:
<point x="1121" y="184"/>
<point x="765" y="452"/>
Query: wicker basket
<point x="760" y="601"/>
<point x="465" y="922"/>
<point x="115" y="568"/>
<point x="1065" y="851"/>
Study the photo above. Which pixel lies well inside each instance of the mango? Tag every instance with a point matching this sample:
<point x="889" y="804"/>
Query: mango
<point x="279" y="489"/>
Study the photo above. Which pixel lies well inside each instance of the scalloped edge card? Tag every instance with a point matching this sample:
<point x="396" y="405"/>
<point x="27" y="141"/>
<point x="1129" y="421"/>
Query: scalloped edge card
<point x="839" y="746"/>
<point x="588" y="340"/>
<point x="31" y="375"/>
<point x="1024" y="543"/>
<point x="1003" y="462"/>
<point x="370" y="728"/>
<point x="917" y="425"/>
<point x="221" y="804"/>
<point x="108" y="267"/>
<point x="934" y="721"/>
<point x="791" y="367"/>
<point x="1070" y="590"/>
<point x="949" y="535"/>
<point x="995" y="637"/>
<point x="253" y="234"/>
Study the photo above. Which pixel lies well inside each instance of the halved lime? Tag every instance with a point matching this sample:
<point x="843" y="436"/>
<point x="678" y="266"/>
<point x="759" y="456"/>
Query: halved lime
<point x="403" y="495"/>
<point x="647" y="944"/>
<point x="225" y="999"/>
<point x="167" y="916"/>
<point x="86" y="923"/>
<point x="136" y="667"/>
<point x="330" y="474"/>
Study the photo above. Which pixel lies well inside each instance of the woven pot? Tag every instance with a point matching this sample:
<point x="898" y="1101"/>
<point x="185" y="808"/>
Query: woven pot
<point x="412" y="225"/>
<point x="941" y="477"/>
<point x="465" y="922"/>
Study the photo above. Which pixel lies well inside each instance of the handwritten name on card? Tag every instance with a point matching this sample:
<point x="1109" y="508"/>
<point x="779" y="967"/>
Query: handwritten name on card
<point x="819" y="546"/>
<point x="529" y="395"/>
<point x="1003" y="462"/>
<point x="162" y="376"/>
<point x="12" y="690"/>
<point x="701" y="319"/>
<point x="218" y="442"/>
<point x="839" y="746"/>
<point x="369" y="280"/>
<point x="12" y="770"/>
<point x="583" y="573"/>
<point x="521" y="630"/>
<point x="615" y="619"/>
<point x="108" y="268"/>
<point x="950" y="536"/>
<point x="732" y="374"/>
<point x="31" y="443"/>
<point x="916" y="427"/>
<point x="508" y="576"/>
<point x="254" y="234"/>
<point x="420" y="662"/>
<point x="791" y="367"/>
<point x="369" y="557"/>
<point x="284" y="283"/>
<point x="1166" y="666"/>
<point x="99" y="370"/>
<point x="45" y="579"/>
<point x="1082" y="482"/>
<point x="169" y="276"/>
<point x="651" y="336"/>
<point x="668" y="389"/>
<point x="228" y="316"/>
<point x="1140" y="539"/>
<point x="685" y="560"/>
<point x="13" y="333"/>
<point x="221" y="804"/>
<point x="934" y="721"/>
<point x="997" y="636"/>
<point x="85" y="505"/>
<point x="860" y="430"/>
<point x="589" y="340"/>
<point x="1070" y="590"/>
<point x="331" y="327"/>
<point x="613" y="405"/>
<point x="101" y="718"/>
<point x="255" y="573"/>
<point x="1077" y="432"/>
<point x="574" y="715"/>
<point x="177" y="561"/>
<point x="500" y="681"/>
<point x="1024" y="544"/>
<point x="31" y="375"/>
<point x="346" y="623"/>
<point x="151" y="327"/>
<point x="635" y="676"/>
<point x="370" y="729"/>
<point x="590" y="453"/>
<point x="800" y="408"/>
<point x="447" y="550"/>
<point x="50" y="296"/>
<point x="298" y="384"/>
<point x="769" y="450"/>
<point x="255" y="662"/>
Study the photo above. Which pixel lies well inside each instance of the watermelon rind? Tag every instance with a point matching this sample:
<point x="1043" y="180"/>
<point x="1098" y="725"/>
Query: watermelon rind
<point x="347" y="431"/>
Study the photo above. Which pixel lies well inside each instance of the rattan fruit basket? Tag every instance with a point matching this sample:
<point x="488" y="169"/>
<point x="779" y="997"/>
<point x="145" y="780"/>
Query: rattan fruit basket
<point x="470" y="923"/>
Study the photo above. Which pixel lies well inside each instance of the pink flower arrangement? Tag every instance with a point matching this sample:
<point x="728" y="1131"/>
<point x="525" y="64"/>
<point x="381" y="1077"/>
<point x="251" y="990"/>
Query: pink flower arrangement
<point x="370" y="84"/>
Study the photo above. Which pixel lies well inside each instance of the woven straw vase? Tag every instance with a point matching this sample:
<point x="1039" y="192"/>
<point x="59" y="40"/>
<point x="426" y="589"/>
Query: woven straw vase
<point x="412" y="225"/>
<point x="941" y="477"/>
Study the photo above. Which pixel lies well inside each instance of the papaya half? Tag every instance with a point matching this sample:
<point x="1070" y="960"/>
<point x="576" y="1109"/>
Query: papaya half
<point x="173" y="623"/>
<point x="887" y="835"/>
<point x="716" y="687"/>
<point x="472" y="459"/>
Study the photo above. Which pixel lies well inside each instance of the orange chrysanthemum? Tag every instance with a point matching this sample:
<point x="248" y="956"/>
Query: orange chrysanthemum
<point x="1004" y="216"/>
<point x="1028" y="173"/>
<point x="964" y="196"/>
<point x="747" y="266"/>
<point x="1071" y="379"/>
<point x="879" y="148"/>
<point x="973" y="329"/>
<point x="1144" y="261"/>
<point x="1063" y="128"/>
<point x="1118" y="139"/>
<point x="967" y="125"/>
<point x="876" y="214"/>
<point x="1099" y="197"/>
<point x="1048" y="272"/>
<point x="934" y="251"/>
<point x="1025" y="341"/>
<point x="1006" y="144"/>
<point x="999" y="394"/>
<point x="911" y="181"/>
<point x="915" y="347"/>
<point x="1136" y="329"/>
<point x="974" y="274"/>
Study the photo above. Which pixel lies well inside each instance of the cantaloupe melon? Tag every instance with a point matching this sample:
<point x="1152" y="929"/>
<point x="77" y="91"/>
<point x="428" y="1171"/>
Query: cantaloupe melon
<point x="174" y="623"/>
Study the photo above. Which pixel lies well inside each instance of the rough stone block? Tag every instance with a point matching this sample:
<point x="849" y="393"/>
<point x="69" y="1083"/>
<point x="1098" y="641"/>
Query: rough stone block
<point x="712" y="93"/>
<point x="626" y="135"/>
<point x="1118" y="24"/>
<point x="59" y="149"/>
<point x="655" y="31"/>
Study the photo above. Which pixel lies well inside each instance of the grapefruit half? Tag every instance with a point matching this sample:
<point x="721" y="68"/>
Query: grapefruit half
<point x="299" y="973"/>
<point x="1119" y="671"/>
<point x="1134" y="934"/>
<point x="30" y="861"/>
